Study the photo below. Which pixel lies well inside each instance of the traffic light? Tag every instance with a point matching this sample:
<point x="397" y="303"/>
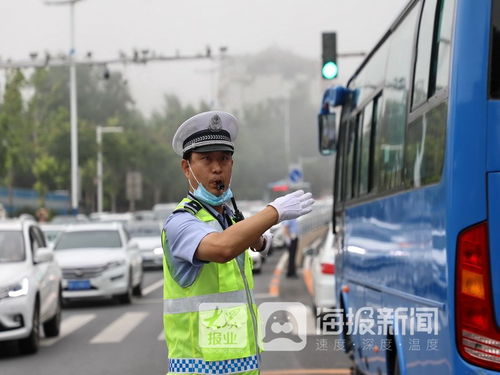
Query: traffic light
<point x="329" y="69"/>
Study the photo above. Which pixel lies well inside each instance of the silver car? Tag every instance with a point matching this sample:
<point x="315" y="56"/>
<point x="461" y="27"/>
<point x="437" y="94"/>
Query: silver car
<point x="30" y="285"/>
<point x="147" y="235"/>
<point x="99" y="260"/>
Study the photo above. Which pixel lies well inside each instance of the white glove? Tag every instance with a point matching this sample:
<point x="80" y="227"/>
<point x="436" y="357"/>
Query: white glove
<point x="268" y="237"/>
<point x="293" y="205"/>
<point x="269" y="241"/>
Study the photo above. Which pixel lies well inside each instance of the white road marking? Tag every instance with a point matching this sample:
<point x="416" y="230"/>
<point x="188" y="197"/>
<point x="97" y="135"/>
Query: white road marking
<point x="263" y="295"/>
<point x="151" y="288"/>
<point x="161" y="336"/>
<point x="281" y="263"/>
<point x="310" y="323"/>
<point x="68" y="326"/>
<point x="120" y="328"/>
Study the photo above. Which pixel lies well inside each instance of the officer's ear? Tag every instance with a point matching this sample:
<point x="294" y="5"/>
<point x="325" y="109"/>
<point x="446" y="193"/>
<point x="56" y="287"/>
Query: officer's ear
<point x="185" y="167"/>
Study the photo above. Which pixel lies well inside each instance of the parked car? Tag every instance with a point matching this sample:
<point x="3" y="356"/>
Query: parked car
<point x="323" y="273"/>
<point x="147" y="235"/>
<point x="51" y="231"/>
<point x="99" y="260"/>
<point x="30" y="285"/>
<point x="278" y="236"/>
<point x="257" y="261"/>
<point x="70" y="219"/>
<point x="162" y="210"/>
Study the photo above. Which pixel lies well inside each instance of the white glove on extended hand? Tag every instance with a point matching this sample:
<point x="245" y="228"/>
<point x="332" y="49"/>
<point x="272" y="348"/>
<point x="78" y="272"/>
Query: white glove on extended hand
<point x="293" y="205"/>
<point x="269" y="241"/>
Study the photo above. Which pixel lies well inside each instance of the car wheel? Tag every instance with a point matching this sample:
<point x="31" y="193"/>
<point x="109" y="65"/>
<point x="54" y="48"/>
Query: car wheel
<point x="52" y="327"/>
<point x="137" y="291"/>
<point x="126" y="297"/>
<point x="30" y="344"/>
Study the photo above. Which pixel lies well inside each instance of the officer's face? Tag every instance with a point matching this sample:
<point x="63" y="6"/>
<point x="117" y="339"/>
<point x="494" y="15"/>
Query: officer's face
<point x="211" y="169"/>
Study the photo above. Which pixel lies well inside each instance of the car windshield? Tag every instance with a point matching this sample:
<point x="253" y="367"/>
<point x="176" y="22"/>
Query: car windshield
<point x="11" y="247"/>
<point x="90" y="238"/>
<point x="144" y="231"/>
<point x="51" y="235"/>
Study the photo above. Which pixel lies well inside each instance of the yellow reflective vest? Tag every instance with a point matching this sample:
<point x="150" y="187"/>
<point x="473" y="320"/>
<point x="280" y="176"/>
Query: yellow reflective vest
<point x="210" y="326"/>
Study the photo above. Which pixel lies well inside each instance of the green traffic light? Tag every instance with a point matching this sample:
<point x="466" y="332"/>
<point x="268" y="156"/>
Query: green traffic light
<point x="330" y="70"/>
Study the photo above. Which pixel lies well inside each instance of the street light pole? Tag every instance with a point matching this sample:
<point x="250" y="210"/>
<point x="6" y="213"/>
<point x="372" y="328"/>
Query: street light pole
<point x="99" y="131"/>
<point x="73" y="106"/>
<point x="74" y="115"/>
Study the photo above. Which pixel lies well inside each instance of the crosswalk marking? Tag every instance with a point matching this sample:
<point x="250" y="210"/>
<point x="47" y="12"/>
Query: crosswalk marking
<point x="120" y="328"/>
<point x="68" y="326"/>
<point x="151" y="288"/>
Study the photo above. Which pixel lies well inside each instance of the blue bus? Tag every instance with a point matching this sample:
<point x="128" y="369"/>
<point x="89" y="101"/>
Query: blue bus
<point x="417" y="193"/>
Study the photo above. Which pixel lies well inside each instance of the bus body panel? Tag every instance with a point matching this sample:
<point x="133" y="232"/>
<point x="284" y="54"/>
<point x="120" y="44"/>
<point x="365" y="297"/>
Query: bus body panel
<point x="383" y="240"/>
<point x="493" y="145"/>
<point x="467" y="138"/>
<point x="494" y="238"/>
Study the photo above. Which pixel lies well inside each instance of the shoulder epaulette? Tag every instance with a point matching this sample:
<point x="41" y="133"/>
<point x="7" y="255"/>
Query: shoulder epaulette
<point x="192" y="207"/>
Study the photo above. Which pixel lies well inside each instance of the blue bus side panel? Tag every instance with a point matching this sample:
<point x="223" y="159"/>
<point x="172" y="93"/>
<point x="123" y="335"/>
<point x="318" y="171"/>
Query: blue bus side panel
<point x="398" y="244"/>
<point x="467" y="139"/>
<point x="493" y="145"/>
<point x="494" y="238"/>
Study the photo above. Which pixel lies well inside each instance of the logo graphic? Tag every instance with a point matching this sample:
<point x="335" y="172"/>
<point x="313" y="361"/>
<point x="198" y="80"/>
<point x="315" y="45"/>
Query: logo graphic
<point x="222" y="326"/>
<point x="215" y="123"/>
<point x="285" y="326"/>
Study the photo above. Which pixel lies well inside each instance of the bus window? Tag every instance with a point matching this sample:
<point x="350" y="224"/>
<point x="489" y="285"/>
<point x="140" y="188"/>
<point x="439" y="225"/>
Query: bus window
<point x="390" y="132"/>
<point x="365" y="149"/>
<point x="339" y="196"/>
<point x="424" y="149"/>
<point x="495" y="52"/>
<point x="350" y="158"/>
<point x="424" y="50"/>
<point x="440" y="66"/>
<point x="357" y="154"/>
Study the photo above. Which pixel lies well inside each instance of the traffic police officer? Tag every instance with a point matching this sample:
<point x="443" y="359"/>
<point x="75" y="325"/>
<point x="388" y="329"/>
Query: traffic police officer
<point x="210" y="316"/>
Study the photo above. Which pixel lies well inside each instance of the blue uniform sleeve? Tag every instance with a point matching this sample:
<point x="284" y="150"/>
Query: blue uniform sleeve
<point x="184" y="234"/>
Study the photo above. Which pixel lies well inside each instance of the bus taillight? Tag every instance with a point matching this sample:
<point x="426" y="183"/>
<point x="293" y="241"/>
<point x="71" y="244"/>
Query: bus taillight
<point x="478" y="337"/>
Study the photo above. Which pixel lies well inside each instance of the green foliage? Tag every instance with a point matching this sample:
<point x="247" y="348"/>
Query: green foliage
<point x="35" y="136"/>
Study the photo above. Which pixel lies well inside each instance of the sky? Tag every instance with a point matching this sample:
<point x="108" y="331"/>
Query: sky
<point x="106" y="27"/>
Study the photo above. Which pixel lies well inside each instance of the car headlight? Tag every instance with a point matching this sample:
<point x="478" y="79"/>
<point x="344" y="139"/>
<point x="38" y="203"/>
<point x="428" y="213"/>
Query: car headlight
<point x="115" y="264"/>
<point x="19" y="289"/>
<point x="158" y="251"/>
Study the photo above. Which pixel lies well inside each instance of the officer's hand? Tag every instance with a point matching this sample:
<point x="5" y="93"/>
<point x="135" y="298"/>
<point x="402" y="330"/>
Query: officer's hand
<point x="293" y="205"/>
<point x="268" y="237"/>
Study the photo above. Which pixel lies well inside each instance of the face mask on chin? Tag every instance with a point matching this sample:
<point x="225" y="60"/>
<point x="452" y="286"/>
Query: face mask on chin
<point x="207" y="197"/>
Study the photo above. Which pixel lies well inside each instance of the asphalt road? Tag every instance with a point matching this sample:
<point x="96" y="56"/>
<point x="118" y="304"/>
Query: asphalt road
<point x="107" y="338"/>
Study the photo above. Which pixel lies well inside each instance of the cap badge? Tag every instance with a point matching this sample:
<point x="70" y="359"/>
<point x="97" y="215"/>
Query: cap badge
<point x="215" y="123"/>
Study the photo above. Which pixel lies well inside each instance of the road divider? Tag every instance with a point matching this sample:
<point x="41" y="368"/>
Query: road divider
<point x="274" y="285"/>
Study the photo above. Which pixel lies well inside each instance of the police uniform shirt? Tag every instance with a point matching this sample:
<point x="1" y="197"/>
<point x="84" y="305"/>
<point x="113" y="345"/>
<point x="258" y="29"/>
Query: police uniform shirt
<point x="293" y="228"/>
<point x="184" y="233"/>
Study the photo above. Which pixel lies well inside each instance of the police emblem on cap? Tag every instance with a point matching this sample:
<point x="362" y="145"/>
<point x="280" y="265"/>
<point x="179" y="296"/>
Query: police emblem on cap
<point x="215" y="123"/>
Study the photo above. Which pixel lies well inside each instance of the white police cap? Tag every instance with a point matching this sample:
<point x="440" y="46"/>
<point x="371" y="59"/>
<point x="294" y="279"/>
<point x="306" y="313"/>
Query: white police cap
<point x="207" y="131"/>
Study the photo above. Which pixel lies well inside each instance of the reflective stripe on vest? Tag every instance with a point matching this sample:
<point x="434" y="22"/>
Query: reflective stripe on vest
<point x="192" y="304"/>
<point x="199" y="366"/>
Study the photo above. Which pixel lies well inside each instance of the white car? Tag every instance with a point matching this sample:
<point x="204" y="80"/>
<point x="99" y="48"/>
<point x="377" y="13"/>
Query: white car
<point x="30" y="285"/>
<point x="51" y="231"/>
<point x="323" y="273"/>
<point x="147" y="235"/>
<point x="257" y="261"/>
<point x="98" y="261"/>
